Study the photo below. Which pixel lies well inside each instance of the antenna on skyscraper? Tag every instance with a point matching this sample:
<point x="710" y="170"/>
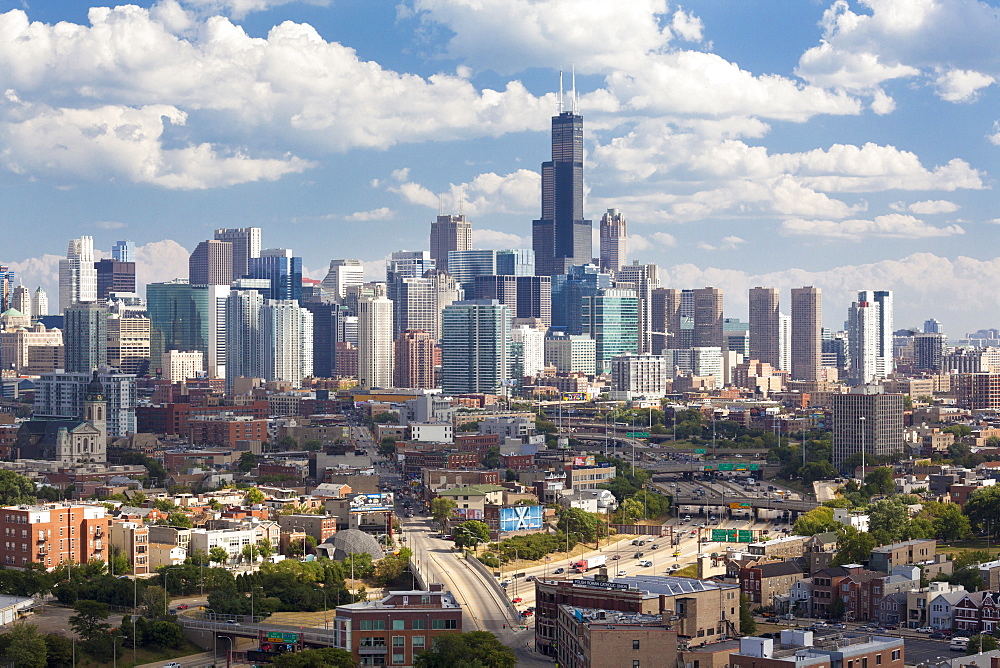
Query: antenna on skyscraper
<point x="440" y="206"/>
<point x="560" y="92"/>
<point x="461" y="202"/>
<point x="573" y="94"/>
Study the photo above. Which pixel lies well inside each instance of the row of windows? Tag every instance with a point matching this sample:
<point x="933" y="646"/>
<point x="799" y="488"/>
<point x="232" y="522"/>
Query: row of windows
<point x="400" y="624"/>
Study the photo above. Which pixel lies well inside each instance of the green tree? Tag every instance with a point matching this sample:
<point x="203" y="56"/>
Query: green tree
<point x="817" y="520"/>
<point x="248" y="461"/>
<point x="253" y="497"/>
<point x="629" y="511"/>
<point x="154" y="601"/>
<point x="179" y="519"/>
<point x="475" y="649"/>
<point x="16" y="489"/>
<point x="880" y="481"/>
<point x="888" y="520"/>
<point x="90" y="620"/>
<point x="837" y="609"/>
<point x="27" y="647"/>
<point x="218" y="555"/>
<point x="853" y="546"/>
<point x="387" y="447"/>
<point x="441" y="509"/>
<point x="119" y="564"/>
<point x="388" y="569"/>
<point x="983" y="508"/>
<point x="948" y="521"/>
<point x="748" y="626"/>
<point x="264" y="548"/>
<point x="385" y="418"/>
<point x="199" y="558"/>
<point x="510" y="475"/>
<point x="59" y="650"/>
<point x="471" y="533"/>
<point x="328" y="657"/>
<point x="491" y="459"/>
<point x="814" y="471"/>
<point x="579" y="521"/>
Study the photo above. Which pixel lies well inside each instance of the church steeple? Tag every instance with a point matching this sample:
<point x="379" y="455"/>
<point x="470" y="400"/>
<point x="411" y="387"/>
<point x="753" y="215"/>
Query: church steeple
<point x="95" y="405"/>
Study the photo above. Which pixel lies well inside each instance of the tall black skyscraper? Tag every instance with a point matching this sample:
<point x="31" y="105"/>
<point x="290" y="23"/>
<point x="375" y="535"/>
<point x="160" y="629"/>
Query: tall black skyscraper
<point x="561" y="238"/>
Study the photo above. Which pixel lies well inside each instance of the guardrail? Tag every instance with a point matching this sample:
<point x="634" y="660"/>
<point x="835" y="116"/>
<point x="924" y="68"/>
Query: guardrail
<point x="513" y="615"/>
<point x="418" y="576"/>
<point x="231" y="625"/>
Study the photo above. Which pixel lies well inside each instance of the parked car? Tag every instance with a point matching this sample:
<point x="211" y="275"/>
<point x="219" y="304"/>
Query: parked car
<point x="925" y="629"/>
<point x="938" y="635"/>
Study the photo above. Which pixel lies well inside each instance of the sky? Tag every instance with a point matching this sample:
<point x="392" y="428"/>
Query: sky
<point x="839" y="143"/>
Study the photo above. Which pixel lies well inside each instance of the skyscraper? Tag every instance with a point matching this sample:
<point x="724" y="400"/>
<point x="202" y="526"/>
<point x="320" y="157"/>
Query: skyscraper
<point x="21" y="300"/>
<point x="39" y="303"/>
<point x="665" y="319"/>
<point x="449" y="233"/>
<point x="645" y="278"/>
<point x="6" y="287"/>
<point x="244" y="336"/>
<point x="932" y="326"/>
<point x="246" y="245"/>
<point x="561" y="237"/>
<point x="475" y="347"/>
<point x="286" y="332"/>
<point x="525" y="296"/>
<point x="614" y="241"/>
<point x="407" y="264"/>
<point x="870" y="327"/>
<point x="114" y="276"/>
<point x="765" y="339"/>
<point x="611" y="318"/>
<point x="417" y="302"/>
<point x="123" y="251"/>
<point x="708" y="330"/>
<point x="928" y="351"/>
<point x="375" y="342"/>
<point x="188" y="317"/>
<point x="282" y="269"/>
<point x="807" y="333"/>
<point x="211" y="263"/>
<point x="867" y="420"/>
<point x="414" y="359"/>
<point x="77" y="275"/>
<point x="85" y="336"/>
<point x="343" y="274"/>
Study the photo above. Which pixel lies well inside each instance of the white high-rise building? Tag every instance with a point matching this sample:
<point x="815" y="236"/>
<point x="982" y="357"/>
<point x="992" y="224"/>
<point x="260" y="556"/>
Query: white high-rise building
<point x="343" y="273"/>
<point x="77" y="274"/>
<point x="869" y="331"/>
<point x="707" y="361"/>
<point x="39" y="303"/>
<point x="634" y="376"/>
<point x="287" y="335"/>
<point x="418" y="301"/>
<point x="614" y="241"/>
<point x="244" y="338"/>
<point x="375" y="349"/>
<point x="532" y="342"/>
<point x="645" y="278"/>
<point x="784" y="342"/>
<point x="216" y="363"/>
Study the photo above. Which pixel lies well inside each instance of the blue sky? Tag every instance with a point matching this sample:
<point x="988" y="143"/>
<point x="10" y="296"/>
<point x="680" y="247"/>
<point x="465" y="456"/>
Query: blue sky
<point x="844" y="144"/>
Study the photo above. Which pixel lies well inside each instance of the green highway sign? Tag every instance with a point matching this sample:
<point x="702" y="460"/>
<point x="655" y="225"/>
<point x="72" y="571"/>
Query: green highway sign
<point x="278" y="636"/>
<point x="726" y="466"/>
<point x="724" y="535"/>
<point x="744" y="536"/>
<point x="637" y="434"/>
<point x="709" y="467"/>
<point x="755" y="467"/>
<point x="700" y="451"/>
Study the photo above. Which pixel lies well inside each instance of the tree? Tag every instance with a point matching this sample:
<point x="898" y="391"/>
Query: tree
<point x="385" y="418"/>
<point x="580" y="522"/>
<point x="491" y="459"/>
<point x="328" y="657"/>
<point x="90" y="620"/>
<point x="179" y="519"/>
<point x="199" y="558"/>
<point x="388" y="569"/>
<point x="747" y="624"/>
<point x="119" y="563"/>
<point x="983" y="508"/>
<point x="837" y="609"/>
<point x="471" y="533"/>
<point x="154" y="601"/>
<point x="880" y="481"/>
<point x="26" y="646"/>
<point x="817" y="520"/>
<point x="264" y="548"/>
<point x="853" y="546"/>
<point x="441" y="509"/>
<point x="629" y="511"/>
<point x="387" y="447"/>
<point x="475" y="649"/>
<point x="248" y="461"/>
<point x="16" y="489"/>
<point x="253" y="497"/>
<point x="814" y="471"/>
<point x="888" y="520"/>
<point x="948" y="522"/>
<point x="59" y="650"/>
<point x="218" y="555"/>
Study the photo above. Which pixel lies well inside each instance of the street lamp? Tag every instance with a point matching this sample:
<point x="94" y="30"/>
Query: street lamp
<point x="230" y="646"/>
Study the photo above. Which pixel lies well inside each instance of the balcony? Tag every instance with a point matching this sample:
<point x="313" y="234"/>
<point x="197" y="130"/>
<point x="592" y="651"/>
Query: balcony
<point x="41" y="539"/>
<point x="98" y="545"/>
<point x="373" y="649"/>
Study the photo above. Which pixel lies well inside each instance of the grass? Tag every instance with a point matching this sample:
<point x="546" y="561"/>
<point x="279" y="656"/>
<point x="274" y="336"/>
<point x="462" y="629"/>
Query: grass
<point x="142" y="655"/>
<point x="689" y="571"/>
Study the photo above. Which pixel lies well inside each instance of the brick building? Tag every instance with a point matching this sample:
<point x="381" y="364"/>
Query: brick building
<point x="319" y="527"/>
<point x="594" y="638"/>
<point x="132" y="540"/>
<point x="54" y="534"/>
<point x="763" y="582"/>
<point x="898" y="554"/>
<point x="700" y="611"/>
<point x="225" y="430"/>
<point x="393" y="630"/>
<point x="173" y="418"/>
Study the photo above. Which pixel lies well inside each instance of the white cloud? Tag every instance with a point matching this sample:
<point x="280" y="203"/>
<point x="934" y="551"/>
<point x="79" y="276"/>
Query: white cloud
<point x="517" y="192"/>
<point x="381" y="213"/>
<point x="240" y="8"/>
<point x="926" y="207"/>
<point x="483" y="238"/>
<point x="687" y="26"/>
<point x="961" y="295"/>
<point x="962" y="85"/>
<point x="995" y="137"/>
<point x="904" y="39"/>
<point x="726" y="243"/>
<point x="664" y="239"/>
<point x="109" y="225"/>
<point x="893" y="225"/>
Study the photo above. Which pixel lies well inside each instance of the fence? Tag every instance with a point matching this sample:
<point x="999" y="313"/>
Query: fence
<point x="487" y="574"/>
<point x="640" y="529"/>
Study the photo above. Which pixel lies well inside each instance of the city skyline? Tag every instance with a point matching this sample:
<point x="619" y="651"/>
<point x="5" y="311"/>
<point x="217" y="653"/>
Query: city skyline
<point x="845" y="152"/>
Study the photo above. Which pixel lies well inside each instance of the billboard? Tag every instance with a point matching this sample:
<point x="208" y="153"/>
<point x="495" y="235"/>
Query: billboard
<point x="519" y="518"/>
<point x="468" y="513"/>
<point x="584" y="461"/>
<point x="369" y="503"/>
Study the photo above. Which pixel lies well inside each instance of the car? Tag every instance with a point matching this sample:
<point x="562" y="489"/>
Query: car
<point x="925" y="629"/>
<point x="635" y="542"/>
<point x="615" y="558"/>
<point x="938" y="635"/>
<point x="676" y="553"/>
<point x="890" y="627"/>
<point x="674" y="567"/>
<point x="530" y="578"/>
<point x="506" y="583"/>
<point x="558" y="571"/>
<point x="638" y="555"/>
<point x="646" y="564"/>
<point x="172" y="664"/>
<point x="621" y="574"/>
<point x="838" y="625"/>
<point x="527" y="613"/>
<point x="183" y="606"/>
<point x="516" y="600"/>
<point x="233" y="622"/>
<point x="654" y="546"/>
<point x="818" y="625"/>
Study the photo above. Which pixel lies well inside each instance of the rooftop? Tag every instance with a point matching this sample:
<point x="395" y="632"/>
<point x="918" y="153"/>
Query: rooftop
<point x="447" y="601"/>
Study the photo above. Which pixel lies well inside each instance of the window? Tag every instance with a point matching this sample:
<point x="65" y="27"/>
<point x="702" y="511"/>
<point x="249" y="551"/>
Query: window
<point x="417" y="642"/>
<point x="895" y="655"/>
<point x="373" y="625"/>
<point x="635" y="663"/>
<point x="635" y="644"/>
<point x="419" y="625"/>
<point x="439" y="624"/>
<point x="398" y="641"/>
<point x="398" y="624"/>
<point x="398" y="658"/>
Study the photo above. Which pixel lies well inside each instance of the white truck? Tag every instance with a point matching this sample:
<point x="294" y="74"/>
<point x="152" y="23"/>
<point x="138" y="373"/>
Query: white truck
<point x="585" y="565"/>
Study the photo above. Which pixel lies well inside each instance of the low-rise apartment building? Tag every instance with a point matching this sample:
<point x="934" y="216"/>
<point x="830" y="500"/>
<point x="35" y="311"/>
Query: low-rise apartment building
<point x="594" y="638"/>
<point x="132" y="540"/>
<point x="53" y="534"/>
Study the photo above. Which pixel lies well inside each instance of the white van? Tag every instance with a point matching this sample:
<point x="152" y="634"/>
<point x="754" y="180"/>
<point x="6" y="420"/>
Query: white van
<point x="959" y="644"/>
